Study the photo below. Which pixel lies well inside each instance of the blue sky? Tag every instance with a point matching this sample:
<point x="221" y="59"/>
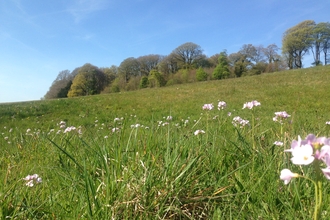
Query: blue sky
<point x="38" y="39"/>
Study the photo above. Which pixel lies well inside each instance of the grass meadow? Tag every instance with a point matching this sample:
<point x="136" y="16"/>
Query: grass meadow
<point x="120" y="156"/>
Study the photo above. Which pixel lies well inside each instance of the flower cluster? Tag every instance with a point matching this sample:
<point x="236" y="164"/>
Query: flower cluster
<point x="68" y="129"/>
<point x="251" y="104"/>
<point x="32" y="179"/>
<point x="278" y="143"/>
<point x="197" y="132"/>
<point x="208" y="107"/>
<point x="222" y="105"/>
<point x="305" y="152"/>
<point x="279" y="116"/>
<point x="238" y="121"/>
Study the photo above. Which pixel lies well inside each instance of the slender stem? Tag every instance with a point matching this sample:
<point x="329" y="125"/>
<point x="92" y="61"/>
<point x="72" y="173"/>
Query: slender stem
<point x="252" y="132"/>
<point x="318" y="190"/>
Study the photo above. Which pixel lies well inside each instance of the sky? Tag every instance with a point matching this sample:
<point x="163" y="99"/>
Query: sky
<point x="39" y="39"/>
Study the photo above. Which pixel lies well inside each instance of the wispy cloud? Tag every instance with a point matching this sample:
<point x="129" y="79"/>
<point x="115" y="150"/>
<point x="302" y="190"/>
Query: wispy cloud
<point x="80" y="9"/>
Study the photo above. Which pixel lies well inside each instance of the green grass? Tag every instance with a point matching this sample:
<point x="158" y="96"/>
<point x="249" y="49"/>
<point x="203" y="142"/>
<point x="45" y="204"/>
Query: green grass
<point x="164" y="171"/>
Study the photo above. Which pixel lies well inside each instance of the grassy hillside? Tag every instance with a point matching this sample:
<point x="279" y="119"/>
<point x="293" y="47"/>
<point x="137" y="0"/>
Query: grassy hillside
<point x="126" y="160"/>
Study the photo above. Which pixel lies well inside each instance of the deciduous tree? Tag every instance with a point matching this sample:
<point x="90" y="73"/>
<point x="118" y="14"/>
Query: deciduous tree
<point x="296" y="42"/>
<point x="148" y="63"/>
<point x="221" y="71"/>
<point x="128" y="68"/>
<point x="90" y="80"/>
<point x="187" y="53"/>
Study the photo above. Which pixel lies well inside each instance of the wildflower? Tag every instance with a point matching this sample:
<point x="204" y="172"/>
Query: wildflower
<point x="302" y="155"/>
<point x="114" y="130"/>
<point x="106" y="137"/>
<point x="208" y="106"/>
<point x="278" y="143"/>
<point x="287" y="175"/>
<point x="222" y="105"/>
<point x="229" y="114"/>
<point x="116" y="119"/>
<point x="28" y="130"/>
<point x="62" y="124"/>
<point x="68" y="129"/>
<point x="169" y="118"/>
<point x="280" y="115"/>
<point x="238" y="121"/>
<point x="327" y="123"/>
<point x="197" y="132"/>
<point x="31" y="179"/>
<point x="251" y="104"/>
<point x="135" y="126"/>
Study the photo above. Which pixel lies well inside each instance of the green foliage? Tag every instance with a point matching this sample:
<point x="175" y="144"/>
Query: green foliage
<point x="115" y="85"/>
<point x="89" y="81"/>
<point x="160" y="169"/>
<point x="297" y="41"/>
<point x="144" y="83"/>
<point x="201" y="75"/>
<point x="156" y="79"/>
<point x="221" y="71"/>
<point x="63" y="93"/>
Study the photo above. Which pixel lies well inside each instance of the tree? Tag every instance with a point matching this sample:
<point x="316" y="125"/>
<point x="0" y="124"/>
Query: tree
<point x="168" y="64"/>
<point x="59" y="87"/>
<point x="156" y="79"/>
<point x="201" y="75"/>
<point x="148" y="63"/>
<point x="128" y="68"/>
<point x="90" y="80"/>
<point x="296" y="41"/>
<point x="187" y="53"/>
<point x="111" y="73"/>
<point x="325" y="41"/>
<point x="221" y="71"/>
<point x="272" y="57"/>
<point x="144" y="82"/>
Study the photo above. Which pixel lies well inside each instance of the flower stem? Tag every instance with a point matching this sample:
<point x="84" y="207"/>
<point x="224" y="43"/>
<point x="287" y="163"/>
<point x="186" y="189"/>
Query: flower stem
<point x="318" y="190"/>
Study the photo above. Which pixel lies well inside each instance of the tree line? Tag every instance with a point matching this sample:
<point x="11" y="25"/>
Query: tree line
<point x="187" y="63"/>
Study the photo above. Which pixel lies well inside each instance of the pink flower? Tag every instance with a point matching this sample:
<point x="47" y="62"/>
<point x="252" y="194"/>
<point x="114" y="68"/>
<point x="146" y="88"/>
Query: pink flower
<point x="222" y="105"/>
<point x="208" y="107"/>
<point x="68" y="129"/>
<point x="287" y="175"/>
<point x="31" y="179"/>
<point x="281" y="115"/>
<point x="238" y="121"/>
<point x="251" y="104"/>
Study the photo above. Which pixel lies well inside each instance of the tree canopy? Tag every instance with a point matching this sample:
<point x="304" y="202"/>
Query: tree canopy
<point x="90" y="80"/>
<point x="187" y="63"/>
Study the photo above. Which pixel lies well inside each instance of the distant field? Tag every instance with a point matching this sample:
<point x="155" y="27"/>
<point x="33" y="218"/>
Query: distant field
<point x="125" y="158"/>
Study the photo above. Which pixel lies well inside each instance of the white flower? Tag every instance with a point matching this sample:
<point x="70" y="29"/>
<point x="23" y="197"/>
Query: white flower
<point x="169" y="118"/>
<point x="251" y="104"/>
<point x="222" y="105"/>
<point x="278" y="143"/>
<point x="31" y="179"/>
<point x="208" y="107"/>
<point x="197" y="132"/>
<point x="302" y="155"/>
<point x="287" y="175"/>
